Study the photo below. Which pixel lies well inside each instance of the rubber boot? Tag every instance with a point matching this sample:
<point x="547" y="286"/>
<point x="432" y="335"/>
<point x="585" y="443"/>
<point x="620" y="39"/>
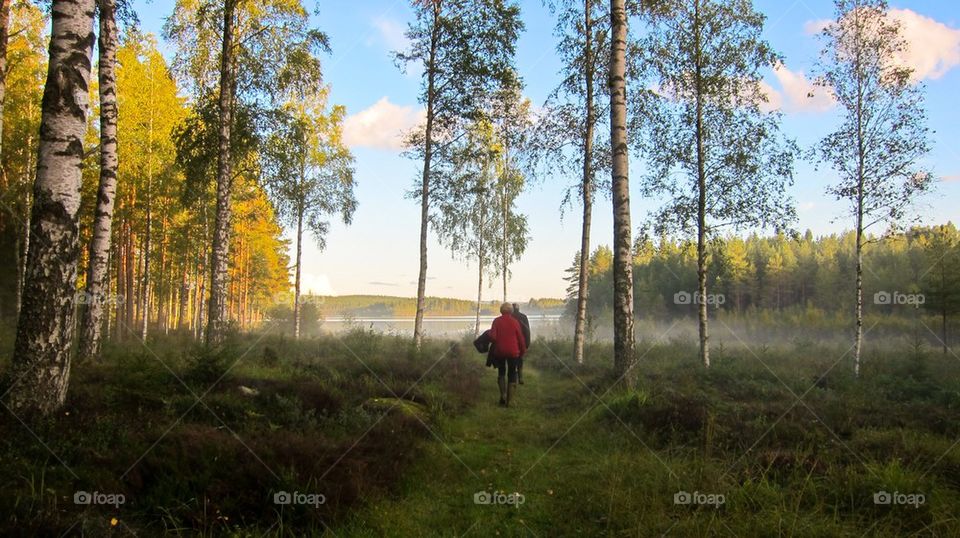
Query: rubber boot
<point x="520" y="375"/>
<point x="511" y="391"/>
<point x="502" y="383"/>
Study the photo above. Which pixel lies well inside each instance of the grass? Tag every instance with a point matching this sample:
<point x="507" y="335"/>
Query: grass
<point x="199" y="442"/>
<point x="593" y="459"/>
<point x="400" y="442"/>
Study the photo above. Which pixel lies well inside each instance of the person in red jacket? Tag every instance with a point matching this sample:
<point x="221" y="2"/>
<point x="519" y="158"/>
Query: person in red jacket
<point x="509" y="346"/>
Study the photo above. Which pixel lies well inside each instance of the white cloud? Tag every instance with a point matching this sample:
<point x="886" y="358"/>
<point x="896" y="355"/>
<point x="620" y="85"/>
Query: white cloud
<point x="392" y="33"/>
<point x="774" y="99"/>
<point x="933" y="48"/>
<point x="799" y="93"/>
<point x="817" y="26"/>
<point x="382" y="125"/>
<point x="315" y="284"/>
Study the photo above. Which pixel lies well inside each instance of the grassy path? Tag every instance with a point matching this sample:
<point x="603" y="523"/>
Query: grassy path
<point x="569" y="467"/>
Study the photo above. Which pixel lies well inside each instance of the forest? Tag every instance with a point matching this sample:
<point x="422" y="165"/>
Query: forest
<point x="165" y="363"/>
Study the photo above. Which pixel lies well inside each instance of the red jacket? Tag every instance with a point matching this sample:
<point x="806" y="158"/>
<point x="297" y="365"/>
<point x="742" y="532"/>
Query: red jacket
<point x="507" y="337"/>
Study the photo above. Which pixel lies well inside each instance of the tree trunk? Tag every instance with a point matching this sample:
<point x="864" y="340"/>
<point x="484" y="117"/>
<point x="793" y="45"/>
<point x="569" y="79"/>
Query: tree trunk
<point x="128" y="269"/>
<point x="24" y="249"/>
<point x="145" y="282"/>
<point x="583" y="281"/>
<point x="216" y="318"/>
<point x="425" y="187"/>
<point x="503" y="242"/>
<point x="25" y="231"/>
<point x="296" y="281"/>
<point x="4" y="39"/>
<point x="858" y="344"/>
<point x="622" y="255"/>
<point x="92" y="321"/>
<point x="476" y="326"/>
<point x="120" y="286"/>
<point x="182" y="310"/>
<point x="163" y="298"/>
<point x="39" y="371"/>
<point x="148" y="235"/>
<point x="108" y="282"/>
<point x="861" y="152"/>
<point x="701" y="207"/>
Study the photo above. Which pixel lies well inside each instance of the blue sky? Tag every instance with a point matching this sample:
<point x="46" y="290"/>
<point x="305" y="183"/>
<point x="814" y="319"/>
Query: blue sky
<point x="378" y="253"/>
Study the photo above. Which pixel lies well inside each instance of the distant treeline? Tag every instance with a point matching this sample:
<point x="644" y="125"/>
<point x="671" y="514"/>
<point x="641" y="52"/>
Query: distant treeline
<point x="917" y="269"/>
<point x="388" y="306"/>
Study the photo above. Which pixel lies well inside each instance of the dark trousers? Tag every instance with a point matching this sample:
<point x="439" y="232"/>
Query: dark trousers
<point x="509" y="367"/>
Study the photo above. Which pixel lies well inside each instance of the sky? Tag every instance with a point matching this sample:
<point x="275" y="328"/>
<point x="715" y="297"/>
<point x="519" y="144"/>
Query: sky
<point x="378" y="253"/>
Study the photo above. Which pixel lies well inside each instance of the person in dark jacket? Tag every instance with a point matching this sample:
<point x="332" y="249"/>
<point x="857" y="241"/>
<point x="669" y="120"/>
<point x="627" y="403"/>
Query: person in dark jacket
<point x="525" y="327"/>
<point x="509" y="346"/>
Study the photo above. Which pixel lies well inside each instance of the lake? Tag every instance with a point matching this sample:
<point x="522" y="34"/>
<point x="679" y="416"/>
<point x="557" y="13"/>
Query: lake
<point x="547" y="325"/>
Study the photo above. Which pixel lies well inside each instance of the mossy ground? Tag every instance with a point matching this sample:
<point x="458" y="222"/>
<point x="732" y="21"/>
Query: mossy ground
<point x="399" y="443"/>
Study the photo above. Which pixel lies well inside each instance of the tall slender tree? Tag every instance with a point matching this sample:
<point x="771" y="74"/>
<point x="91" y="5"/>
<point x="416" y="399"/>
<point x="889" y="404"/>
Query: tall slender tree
<point x="566" y="136"/>
<point x="467" y="211"/>
<point x="711" y="127"/>
<point x="309" y="174"/>
<point x="510" y="115"/>
<point x="623" y="335"/>
<point x="217" y="309"/>
<point x="4" y="40"/>
<point x="465" y="49"/>
<point x="92" y="316"/>
<point x="883" y="135"/>
<point x="39" y="372"/>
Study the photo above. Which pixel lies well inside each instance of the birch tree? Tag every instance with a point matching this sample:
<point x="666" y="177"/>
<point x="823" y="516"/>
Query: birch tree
<point x="510" y="116"/>
<point x="714" y="152"/>
<point x="99" y="249"/>
<point x="39" y="371"/>
<point x="4" y="40"/>
<point x="883" y="133"/>
<point x="623" y="335"/>
<point x="467" y="212"/>
<point x="567" y="140"/>
<point x="309" y="174"/>
<point x="465" y="49"/>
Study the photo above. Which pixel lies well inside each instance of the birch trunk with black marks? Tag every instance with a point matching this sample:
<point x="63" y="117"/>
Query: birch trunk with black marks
<point x="622" y="252"/>
<point x="39" y="371"/>
<point x="99" y="253"/>
<point x="296" y="283"/>
<point x="702" y="321"/>
<point x="217" y="310"/>
<point x="583" y="280"/>
<point x="425" y="184"/>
